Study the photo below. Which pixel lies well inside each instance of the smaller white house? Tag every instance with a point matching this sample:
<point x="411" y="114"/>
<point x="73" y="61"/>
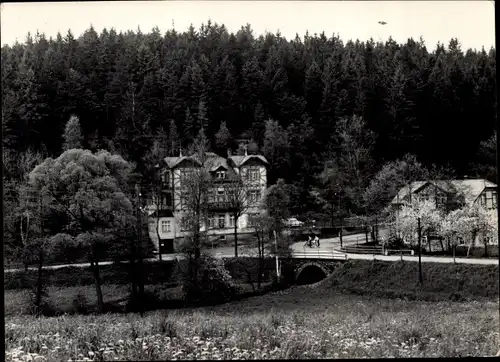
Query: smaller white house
<point x="449" y="194"/>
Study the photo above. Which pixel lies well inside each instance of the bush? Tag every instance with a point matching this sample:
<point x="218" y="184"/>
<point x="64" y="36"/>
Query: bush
<point x="212" y="284"/>
<point x="80" y="304"/>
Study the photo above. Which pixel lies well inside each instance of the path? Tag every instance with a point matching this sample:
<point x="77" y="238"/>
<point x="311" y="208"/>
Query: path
<point x="331" y="245"/>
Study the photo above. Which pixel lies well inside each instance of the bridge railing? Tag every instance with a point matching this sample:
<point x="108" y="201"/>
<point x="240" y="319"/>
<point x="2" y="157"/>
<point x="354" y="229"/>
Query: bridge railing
<point x="320" y="254"/>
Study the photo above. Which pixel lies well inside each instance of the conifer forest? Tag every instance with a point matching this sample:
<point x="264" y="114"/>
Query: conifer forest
<point x="328" y="114"/>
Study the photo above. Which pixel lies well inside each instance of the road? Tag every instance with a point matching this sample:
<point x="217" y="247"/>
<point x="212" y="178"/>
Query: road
<point x="331" y="245"/>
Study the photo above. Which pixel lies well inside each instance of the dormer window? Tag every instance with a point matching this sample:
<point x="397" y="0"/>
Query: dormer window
<point x="220" y="175"/>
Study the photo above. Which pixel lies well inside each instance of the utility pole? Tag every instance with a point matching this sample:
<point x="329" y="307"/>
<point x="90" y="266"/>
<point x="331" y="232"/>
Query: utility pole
<point x="139" y="249"/>
<point x="39" y="287"/>
<point x="277" y="262"/>
<point x="420" y="278"/>
<point x="497" y="130"/>
<point x="159" y="201"/>
<point x="340" y="219"/>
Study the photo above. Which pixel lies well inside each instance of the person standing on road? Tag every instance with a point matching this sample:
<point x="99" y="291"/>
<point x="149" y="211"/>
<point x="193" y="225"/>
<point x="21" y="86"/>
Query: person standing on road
<point x="316" y="240"/>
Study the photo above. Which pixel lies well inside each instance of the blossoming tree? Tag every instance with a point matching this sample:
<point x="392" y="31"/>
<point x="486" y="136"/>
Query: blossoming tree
<point x="419" y="218"/>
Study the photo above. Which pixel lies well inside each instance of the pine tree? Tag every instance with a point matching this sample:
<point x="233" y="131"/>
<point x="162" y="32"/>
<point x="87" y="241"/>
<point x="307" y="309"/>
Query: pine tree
<point x="173" y="142"/>
<point x="223" y="137"/>
<point x="73" y="137"/>
<point x="189" y="126"/>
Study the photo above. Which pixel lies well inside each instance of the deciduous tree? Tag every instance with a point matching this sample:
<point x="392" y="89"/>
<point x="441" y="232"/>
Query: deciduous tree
<point x="91" y="190"/>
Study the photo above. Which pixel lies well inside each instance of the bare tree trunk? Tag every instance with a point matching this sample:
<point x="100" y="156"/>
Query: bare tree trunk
<point x="420" y="277"/>
<point x="97" y="278"/>
<point x="235" y="236"/>
<point x="158" y="236"/>
<point x="454" y="249"/>
<point x="261" y="260"/>
<point x="39" y="284"/>
<point x="133" y="275"/>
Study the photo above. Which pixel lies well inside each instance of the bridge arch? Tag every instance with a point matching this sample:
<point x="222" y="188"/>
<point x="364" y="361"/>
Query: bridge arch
<point x="310" y="272"/>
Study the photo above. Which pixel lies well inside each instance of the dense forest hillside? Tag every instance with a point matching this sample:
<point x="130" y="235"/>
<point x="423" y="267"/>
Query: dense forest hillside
<point x="310" y="105"/>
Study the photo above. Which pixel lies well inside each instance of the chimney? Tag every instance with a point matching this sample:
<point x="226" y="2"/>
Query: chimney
<point x="180" y="152"/>
<point x="246" y="152"/>
<point x="229" y="153"/>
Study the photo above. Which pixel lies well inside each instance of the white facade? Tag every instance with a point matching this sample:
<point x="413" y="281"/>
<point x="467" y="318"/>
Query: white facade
<point x="221" y="221"/>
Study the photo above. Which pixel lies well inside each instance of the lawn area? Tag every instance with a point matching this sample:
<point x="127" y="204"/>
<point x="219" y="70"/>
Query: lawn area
<point x="71" y="300"/>
<point x="300" y="322"/>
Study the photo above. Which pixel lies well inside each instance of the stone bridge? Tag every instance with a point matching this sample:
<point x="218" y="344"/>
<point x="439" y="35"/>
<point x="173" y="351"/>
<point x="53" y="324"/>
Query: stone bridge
<point x="309" y="271"/>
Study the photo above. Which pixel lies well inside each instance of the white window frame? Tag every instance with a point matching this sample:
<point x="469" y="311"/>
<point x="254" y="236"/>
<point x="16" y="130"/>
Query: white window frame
<point x="489" y="200"/>
<point x="220" y="175"/>
<point x="251" y="219"/>
<point x="253" y="174"/>
<point x="221" y="195"/>
<point x="221" y="217"/>
<point x="211" y="222"/>
<point x="166" y="226"/>
<point x="253" y="196"/>
<point x="231" y="221"/>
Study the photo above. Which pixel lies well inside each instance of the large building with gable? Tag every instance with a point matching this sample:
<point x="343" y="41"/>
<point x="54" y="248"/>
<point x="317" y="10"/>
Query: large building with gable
<point x="174" y="176"/>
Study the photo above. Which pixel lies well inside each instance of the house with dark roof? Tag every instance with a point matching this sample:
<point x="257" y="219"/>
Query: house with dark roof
<point x="174" y="173"/>
<point x="448" y="194"/>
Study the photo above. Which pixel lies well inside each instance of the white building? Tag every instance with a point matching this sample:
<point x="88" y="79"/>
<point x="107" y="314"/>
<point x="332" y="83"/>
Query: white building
<point x="174" y="175"/>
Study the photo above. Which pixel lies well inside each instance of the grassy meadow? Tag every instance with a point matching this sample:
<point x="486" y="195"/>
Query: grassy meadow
<point x="297" y="323"/>
<point x="363" y="309"/>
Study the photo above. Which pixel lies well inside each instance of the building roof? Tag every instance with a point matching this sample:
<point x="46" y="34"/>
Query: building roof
<point x="174" y="161"/>
<point x="470" y="188"/>
<point x="162" y="213"/>
<point x="241" y="160"/>
<point x="216" y="161"/>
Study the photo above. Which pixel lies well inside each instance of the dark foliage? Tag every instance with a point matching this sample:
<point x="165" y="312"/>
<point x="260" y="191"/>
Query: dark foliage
<point x="128" y="88"/>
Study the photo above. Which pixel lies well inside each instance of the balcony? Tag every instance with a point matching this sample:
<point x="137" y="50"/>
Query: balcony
<point x="219" y="205"/>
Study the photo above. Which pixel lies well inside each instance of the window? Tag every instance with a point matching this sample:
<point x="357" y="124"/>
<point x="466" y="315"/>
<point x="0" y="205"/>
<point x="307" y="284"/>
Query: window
<point x="494" y="199"/>
<point x="168" y="200"/>
<point x="222" y="221"/>
<point x="211" y="222"/>
<point x="253" y="174"/>
<point x="221" y="175"/>
<point x="441" y="199"/>
<point x="490" y="200"/>
<point x="165" y="226"/>
<point x="221" y="195"/>
<point x="165" y="178"/>
<point x="253" y="197"/>
<point x="231" y="221"/>
<point x="252" y="218"/>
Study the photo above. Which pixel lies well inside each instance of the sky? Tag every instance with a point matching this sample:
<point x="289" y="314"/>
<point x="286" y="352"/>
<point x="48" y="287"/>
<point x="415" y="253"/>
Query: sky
<point x="471" y="22"/>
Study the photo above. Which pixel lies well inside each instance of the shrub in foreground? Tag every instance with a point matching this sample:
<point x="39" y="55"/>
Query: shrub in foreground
<point x="211" y="284"/>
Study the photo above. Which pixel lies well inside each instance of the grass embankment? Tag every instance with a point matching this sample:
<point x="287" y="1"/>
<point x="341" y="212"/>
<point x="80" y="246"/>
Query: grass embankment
<point x="401" y="280"/>
<point x="71" y="289"/>
<point x="297" y="323"/>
